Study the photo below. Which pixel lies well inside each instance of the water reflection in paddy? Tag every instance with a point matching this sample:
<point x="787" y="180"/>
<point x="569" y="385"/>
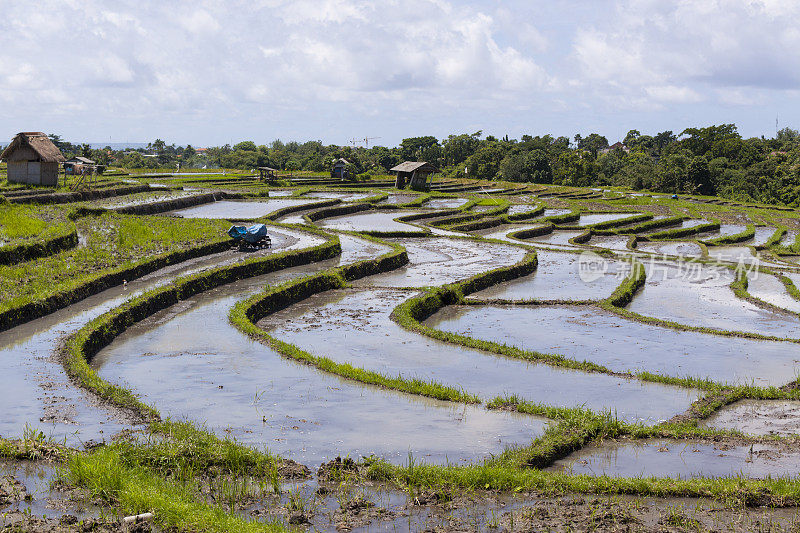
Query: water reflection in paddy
<point x="355" y="327"/>
<point x="589" y="333"/>
<point x="700" y="295"/>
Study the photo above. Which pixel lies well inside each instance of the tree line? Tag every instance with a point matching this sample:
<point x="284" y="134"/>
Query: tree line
<point x="713" y="160"/>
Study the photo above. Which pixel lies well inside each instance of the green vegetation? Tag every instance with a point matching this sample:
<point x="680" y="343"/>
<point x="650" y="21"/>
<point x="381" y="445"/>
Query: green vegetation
<point x="114" y="244"/>
<point x="80" y="347"/>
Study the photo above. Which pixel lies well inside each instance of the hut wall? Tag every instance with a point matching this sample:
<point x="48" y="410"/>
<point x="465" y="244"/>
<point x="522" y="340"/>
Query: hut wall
<point x="49" y="174"/>
<point x="33" y="172"/>
<point x="18" y="172"/>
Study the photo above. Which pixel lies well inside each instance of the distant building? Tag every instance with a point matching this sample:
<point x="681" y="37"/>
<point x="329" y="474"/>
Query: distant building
<point x="339" y="170"/>
<point x="80" y="161"/>
<point x="79" y="165"/>
<point x="413" y="173"/>
<point x="32" y="158"/>
<point x="616" y="146"/>
<point x="267" y="174"/>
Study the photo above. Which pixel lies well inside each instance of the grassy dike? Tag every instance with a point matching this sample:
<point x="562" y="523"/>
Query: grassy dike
<point x="32" y="232"/>
<point x="247" y="313"/>
<point x="51" y="241"/>
<point x="81" y="347"/>
<point x="161" y="476"/>
<point x="679" y="233"/>
<point x="746" y="235"/>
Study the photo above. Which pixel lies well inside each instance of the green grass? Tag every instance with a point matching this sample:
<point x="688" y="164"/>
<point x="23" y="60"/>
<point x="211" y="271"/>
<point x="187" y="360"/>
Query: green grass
<point x="742" y="236"/>
<point x="112" y="242"/>
<point x="678" y="233"/>
<point x="247" y="313"/>
<point x="134" y="489"/>
<point x="80" y="347"/>
<point x="25" y="222"/>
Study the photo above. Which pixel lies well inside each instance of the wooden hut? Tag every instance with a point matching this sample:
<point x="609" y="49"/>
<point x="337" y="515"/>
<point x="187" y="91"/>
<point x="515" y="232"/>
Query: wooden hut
<point x="268" y="174"/>
<point x="78" y="165"/>
<point x="339" y="170"/>
<point x="32" y="158"/>
<point x="413" y="173"/>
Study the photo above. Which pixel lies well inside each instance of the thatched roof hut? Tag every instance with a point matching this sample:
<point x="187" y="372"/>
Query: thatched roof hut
<point x="339" y="170"/>
<point x="415" y="173"/>
<point x="32" y="158"/>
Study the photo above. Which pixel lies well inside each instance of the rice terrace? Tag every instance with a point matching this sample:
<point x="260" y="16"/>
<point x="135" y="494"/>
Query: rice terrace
<point x="392" y="352"/>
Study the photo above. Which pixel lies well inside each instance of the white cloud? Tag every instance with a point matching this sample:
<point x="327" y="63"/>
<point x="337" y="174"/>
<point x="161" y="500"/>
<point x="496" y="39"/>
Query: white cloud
<point x="674" y="51"/>
<point x="673" y="94"/>
<point x="306" y="64"/>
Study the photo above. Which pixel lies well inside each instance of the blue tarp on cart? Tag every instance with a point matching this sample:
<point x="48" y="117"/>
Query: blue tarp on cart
<point x="252" y="234"/>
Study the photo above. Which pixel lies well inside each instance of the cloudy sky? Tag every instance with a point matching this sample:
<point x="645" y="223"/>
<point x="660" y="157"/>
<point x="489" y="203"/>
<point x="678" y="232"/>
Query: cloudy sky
<point x="209" y="72"/>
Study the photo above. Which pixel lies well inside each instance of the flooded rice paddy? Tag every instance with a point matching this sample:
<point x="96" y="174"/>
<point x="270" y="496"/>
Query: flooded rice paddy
<point x="33" y="389"/>
<point x="249" y="391"/>
<point x="557" y="277"/>
<point x="348" y="322"/>
<point x="445" y="203"/>
<point x="588" y="332"/>
<point x="758" y="417"/>
<point x="191" y="363"/>
<point x="371" y="221"/>
<point x="682" y="459"/>
<point x="335" y="195"/>
<point x="233" y="209"/>
<point x="700" y="295"/>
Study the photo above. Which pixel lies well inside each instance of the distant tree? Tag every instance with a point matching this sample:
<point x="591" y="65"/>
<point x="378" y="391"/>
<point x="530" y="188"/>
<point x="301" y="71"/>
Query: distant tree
<point x="662" y="140"/>
<point x="248" y="146"/>
<point x="532" y="166"/>
<point x="457" y="148"/>
<point x="593" y="143"/>
<point x="421" y="149"/>
<point x="485" y="163"/>
<point x="631" y="138"/>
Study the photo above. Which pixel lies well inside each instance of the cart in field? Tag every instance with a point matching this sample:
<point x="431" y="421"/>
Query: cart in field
<point x="251" y="238"/>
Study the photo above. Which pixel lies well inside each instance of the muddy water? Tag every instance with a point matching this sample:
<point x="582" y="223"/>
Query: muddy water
<point x="355" y="327"/>
<point x="758" y="417"/>
<point x="501" y="232"/>
<point x="678" y="248"/>
<point x="343" y="196"/>
<point x="557" y="278"/>
<point x="483" y="208"/>
<point x="520" y="208"/>
<point x="611" y="242"/>
<point x="140" y="199"/>
<point x="240" y="209"/>
<point x="790" y="238"/>
<point x="596" y="218"/>
<point x="33" y="387"/>
<point x="771" y="290"/>
<point x="684" y="459"/>
<point x="37" y="479"/>
<point x="560" y="237"/>
<point x="445" y="203"/>
<point x="439" y="260"/>
<point x="739" y="254"/>
<point x="371" y="221"/>
<point x="699" y="295"/>
<point x="794" y="276"/>
<point x="394" y="199"/>
<point x="589" y="333"/>
<point x="551" y="212"/>
<point x="280" y="194"/>
<point x="731" y="229"/>
<point x="762" y="235"/>
<point x="190" y="362"/>
<point x="692" y="222"/>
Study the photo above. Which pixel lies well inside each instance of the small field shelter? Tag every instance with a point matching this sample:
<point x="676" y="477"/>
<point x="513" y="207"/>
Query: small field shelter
<point x="32" y="158"/>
